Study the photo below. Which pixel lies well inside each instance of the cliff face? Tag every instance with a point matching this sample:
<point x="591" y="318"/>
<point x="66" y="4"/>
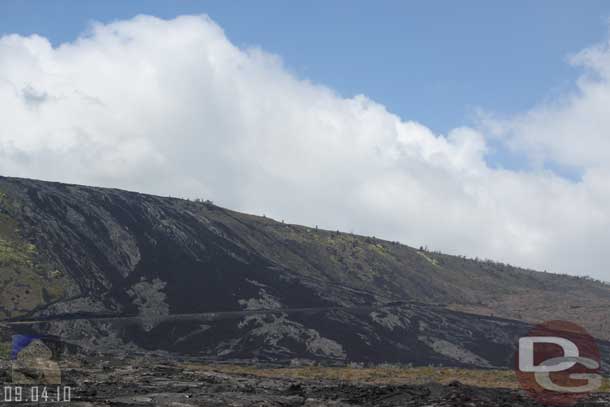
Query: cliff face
<point x="72" y="251"/>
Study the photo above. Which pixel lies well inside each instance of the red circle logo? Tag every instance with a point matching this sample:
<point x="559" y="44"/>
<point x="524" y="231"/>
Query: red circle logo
<point x="558" y="363"/>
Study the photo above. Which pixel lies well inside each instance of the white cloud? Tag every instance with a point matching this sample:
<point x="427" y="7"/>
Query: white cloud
<point x="172" y="107"/>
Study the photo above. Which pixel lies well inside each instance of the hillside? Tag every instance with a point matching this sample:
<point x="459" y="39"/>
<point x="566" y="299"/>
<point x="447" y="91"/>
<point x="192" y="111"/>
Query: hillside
<point x="71" y="251"/>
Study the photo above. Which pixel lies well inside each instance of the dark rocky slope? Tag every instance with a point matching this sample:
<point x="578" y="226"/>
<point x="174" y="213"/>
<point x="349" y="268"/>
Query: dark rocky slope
<point x="72" y="251"/>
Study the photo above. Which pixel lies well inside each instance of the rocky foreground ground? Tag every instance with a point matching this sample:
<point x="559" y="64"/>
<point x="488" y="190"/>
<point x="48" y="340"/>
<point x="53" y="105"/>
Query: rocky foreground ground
<point x="154" y="382"/>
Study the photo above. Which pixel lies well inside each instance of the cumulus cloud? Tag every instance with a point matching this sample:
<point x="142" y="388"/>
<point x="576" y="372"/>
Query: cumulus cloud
<point x="172" y="107"/>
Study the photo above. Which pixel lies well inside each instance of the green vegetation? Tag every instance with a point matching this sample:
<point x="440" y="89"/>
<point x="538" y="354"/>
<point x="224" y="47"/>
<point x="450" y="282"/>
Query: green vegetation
<point x="5" y="350"/>
<point x="433" y="261"/>
<point x="4" y="199"/>
<point x="10" y="255"/>
<point x="605" y="386"/>
<point x="25" y="281"/>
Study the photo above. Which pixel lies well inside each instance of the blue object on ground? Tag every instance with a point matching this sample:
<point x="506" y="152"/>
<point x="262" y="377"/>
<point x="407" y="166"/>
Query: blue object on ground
<point x="21" y="342"/>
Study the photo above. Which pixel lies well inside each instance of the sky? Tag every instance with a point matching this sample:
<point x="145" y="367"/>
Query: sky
<point x="479" y="130"/>
<point x="433" y="61"/>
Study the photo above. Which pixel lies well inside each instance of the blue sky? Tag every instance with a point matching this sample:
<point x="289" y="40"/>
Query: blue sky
<point x="430" y="61"/>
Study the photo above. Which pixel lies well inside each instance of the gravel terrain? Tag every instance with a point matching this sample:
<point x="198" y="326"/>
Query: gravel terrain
<point x="148" y="382"/>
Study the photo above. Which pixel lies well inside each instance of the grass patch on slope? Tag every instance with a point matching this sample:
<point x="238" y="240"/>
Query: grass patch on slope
<point x="381" y="375"/>
<point x="25" y="281"/>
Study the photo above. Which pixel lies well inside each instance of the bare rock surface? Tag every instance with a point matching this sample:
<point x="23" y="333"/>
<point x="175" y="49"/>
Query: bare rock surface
<point x="34" y="365"/>
<point x="154" y="382"/>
